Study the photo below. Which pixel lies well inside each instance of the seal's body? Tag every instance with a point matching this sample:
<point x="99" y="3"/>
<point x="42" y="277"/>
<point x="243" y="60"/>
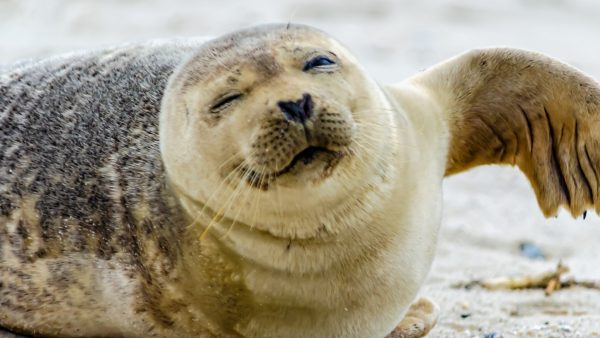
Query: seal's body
<point x="83" y="191"/>
<point x="97" y="241"/>
<point x="258" y="185"/>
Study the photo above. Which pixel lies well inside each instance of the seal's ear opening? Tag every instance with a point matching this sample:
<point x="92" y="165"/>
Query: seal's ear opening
<point x="507" y="106"/>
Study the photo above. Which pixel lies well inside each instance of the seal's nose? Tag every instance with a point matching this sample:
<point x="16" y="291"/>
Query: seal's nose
<point x="297" y="111"/>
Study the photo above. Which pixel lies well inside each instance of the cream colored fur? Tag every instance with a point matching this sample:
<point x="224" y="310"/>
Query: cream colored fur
<point x="341" y="257"/>
<point x="380" y="209"/>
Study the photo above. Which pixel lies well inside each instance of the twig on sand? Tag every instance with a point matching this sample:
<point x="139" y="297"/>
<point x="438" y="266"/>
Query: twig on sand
<point x="550" y="281"/>
<point x="584" y="284"/>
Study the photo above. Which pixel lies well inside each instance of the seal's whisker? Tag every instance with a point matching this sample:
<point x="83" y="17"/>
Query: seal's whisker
<point x="370" y="130"/>
<point x="368" y="143"/>
<point x="246" y="196"/>
<point x="231" y="158"/>
<point x="255" y="176"/>
<point x="257" y="200"/>
<point x="357" y="155"/>
<point x="215" y="193"/>
<point x="371" y="106"/>
<point x="369" y="135"/>
<point x="245" y="177"/>
<point x="217" y="217"/>
<point x="376" y="109"/>
<point x="217" y="173"/>
<point x="220" y="214"/>
<point x="375" y="123"/>
<point x="370" y="127"/>
<point x="379" y="158"/>
<point x="365" y="150"/>
<point x="386" y="112"/>
<point x="291" y="18"/>
<point x="235" y="198"/>
<point x="344" y="174"/>
<point x="277" y="193"/>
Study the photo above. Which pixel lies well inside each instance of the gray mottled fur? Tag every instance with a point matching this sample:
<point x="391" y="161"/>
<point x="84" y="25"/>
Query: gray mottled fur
<point x="79" y="154"/>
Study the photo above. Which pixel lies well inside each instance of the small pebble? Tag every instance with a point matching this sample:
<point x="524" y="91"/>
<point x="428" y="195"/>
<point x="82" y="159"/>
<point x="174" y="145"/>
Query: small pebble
<point x="465" y="315"/>
<point x="565" y="328"/>
<point x="490" y="335"/>
<point x="531" y="251"/>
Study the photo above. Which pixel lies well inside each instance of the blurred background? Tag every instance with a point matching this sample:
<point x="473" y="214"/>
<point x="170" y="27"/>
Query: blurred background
<point x="490" y="213"/>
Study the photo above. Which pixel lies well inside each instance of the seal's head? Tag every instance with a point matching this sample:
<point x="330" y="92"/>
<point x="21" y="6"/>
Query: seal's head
<point x="279" y="118"/>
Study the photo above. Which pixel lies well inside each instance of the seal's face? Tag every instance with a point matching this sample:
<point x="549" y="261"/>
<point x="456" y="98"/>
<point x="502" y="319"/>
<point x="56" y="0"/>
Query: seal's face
<point x="290" y="106"/>
<point x="280" y="114"/>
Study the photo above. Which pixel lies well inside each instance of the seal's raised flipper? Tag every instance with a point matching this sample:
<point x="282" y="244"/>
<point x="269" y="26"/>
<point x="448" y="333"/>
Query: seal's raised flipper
<point x="508" y="106"/>
<point x="418" y="321"/>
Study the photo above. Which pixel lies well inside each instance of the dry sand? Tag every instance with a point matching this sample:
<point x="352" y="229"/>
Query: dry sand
<point x="488" y="211"/>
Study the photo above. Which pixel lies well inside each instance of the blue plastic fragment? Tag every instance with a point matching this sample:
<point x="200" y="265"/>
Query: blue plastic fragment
<point x="531" y="251"/>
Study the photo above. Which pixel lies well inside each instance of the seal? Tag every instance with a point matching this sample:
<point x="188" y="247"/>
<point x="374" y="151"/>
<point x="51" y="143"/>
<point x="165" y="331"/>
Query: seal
<point x="260" y="184"/>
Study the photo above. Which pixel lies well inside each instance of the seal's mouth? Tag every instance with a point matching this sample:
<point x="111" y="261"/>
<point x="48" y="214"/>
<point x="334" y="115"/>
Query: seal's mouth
<point x="304" y="158"/>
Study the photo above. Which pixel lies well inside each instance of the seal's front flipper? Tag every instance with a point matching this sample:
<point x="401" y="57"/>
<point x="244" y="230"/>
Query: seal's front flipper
<point x="509" y="106"/>
<point x="4" y="333"/>
<point x="418" y="321"/>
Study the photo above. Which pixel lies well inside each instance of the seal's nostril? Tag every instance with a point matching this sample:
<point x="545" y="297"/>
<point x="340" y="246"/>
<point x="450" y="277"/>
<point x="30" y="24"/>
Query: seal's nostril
<point x="290" y="110"/>
<point x="298" y="111"/>
<point x="307" y="105"/>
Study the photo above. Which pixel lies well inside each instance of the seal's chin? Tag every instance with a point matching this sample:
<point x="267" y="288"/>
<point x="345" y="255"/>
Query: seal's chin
<point x="311" y="164"/>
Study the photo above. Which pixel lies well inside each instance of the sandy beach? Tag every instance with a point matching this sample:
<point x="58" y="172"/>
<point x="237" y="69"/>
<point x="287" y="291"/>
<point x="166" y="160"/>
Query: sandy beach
<point x="488" y="212"/>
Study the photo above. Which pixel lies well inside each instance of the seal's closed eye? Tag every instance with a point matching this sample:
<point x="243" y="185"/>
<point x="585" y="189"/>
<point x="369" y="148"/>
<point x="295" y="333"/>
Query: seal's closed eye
<point x="320" y="61"/>
<point x="224" y="101"/>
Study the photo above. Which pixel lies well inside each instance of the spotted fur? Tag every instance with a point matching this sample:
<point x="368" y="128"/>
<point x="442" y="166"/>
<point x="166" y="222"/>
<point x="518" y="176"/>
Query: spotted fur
<point x="82" y="188"/>
<point x="114" y="222"/>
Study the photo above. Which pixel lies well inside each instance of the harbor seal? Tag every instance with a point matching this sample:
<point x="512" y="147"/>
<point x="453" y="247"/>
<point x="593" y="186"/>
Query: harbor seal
<point x="260" y="184"/>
